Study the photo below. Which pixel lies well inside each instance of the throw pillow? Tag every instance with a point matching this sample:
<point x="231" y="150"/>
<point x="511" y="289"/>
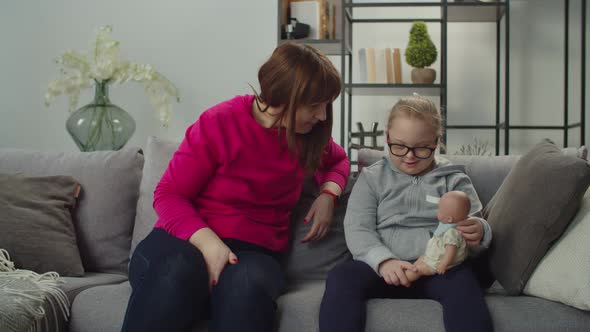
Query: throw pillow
<point x="313" y="260"/>
<point x="106" y="208"/>
<point x="563" y="275"/>
<point x="36" y="225"/>
<point x="531" y="209"/>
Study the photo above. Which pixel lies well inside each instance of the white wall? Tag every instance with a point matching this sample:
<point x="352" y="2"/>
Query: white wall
<point x="211" y="49"/>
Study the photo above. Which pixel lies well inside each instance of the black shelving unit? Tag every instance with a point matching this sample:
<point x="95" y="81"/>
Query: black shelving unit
<point x="450" y="12"/>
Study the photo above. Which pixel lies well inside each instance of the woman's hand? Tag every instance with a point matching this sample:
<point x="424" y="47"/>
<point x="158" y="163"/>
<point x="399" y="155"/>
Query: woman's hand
<point x="471" y="230"/>
<point x="321" y="213"/>
<point x="215" y="252"/>
<point x="393" y="272"/>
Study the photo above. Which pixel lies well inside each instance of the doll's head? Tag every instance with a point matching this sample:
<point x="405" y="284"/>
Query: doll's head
<point x="453" y="206"/>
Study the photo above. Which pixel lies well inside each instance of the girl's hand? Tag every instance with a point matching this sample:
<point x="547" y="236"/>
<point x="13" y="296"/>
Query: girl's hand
<point x="441" y="268"/>
<point x="321" y="211"/>
<point x="215" y="252"/>
<point x="471" y="230"/>
<point x="393" y="272"/>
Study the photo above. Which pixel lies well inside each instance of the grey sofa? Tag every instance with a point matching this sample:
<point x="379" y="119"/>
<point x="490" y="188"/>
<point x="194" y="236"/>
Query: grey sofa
<point x="115" y="213"/>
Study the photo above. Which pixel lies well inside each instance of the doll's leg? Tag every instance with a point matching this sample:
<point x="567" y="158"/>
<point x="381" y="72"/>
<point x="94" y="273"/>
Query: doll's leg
<point x="423" y="270"/>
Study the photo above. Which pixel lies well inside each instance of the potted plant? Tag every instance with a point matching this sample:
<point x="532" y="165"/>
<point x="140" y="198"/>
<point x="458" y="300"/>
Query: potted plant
<point x="101" y="125"/>
<point x="421" y="53"/>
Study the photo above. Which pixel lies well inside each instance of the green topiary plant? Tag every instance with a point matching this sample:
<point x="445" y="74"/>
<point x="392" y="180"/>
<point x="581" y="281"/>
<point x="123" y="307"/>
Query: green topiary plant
<point x="420" y="52"/>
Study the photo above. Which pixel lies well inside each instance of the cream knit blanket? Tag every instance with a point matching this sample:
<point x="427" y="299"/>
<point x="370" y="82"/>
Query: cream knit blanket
<point x="23" y="294"/>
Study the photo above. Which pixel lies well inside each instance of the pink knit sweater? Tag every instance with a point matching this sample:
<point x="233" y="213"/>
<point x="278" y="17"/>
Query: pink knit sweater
<point x="236" y="177"/>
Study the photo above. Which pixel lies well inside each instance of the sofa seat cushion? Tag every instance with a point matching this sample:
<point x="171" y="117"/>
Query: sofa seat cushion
<point x="73" y="286"/>
<point x="299" y="311"/>
<point x="102" y="308"/>
<point x="528" y="313"/>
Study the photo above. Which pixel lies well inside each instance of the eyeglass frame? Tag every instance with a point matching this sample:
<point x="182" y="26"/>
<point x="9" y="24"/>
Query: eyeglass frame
<point x="413" y="149"/>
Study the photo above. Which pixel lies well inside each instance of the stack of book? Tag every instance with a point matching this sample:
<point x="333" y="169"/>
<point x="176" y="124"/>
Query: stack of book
<point x="380" y="65"/>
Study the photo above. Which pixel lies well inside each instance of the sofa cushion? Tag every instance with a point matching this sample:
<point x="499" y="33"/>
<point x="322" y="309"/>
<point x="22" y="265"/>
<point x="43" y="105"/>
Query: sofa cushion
<point x="528" y="313"/>
<point x="534" y="205"/>
<point x="313" y="260"/>
<point x="563" y="275"/>
<point x="72" y="286"/>
<point x="299" y="311"/>
<point x="102" y="309"/>
<point x="106" y="210"/>
<point x="36" y="226"/>
<point x="158" y="153"/>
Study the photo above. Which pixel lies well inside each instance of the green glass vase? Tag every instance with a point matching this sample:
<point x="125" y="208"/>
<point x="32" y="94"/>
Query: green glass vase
<point x="100" y="125"/>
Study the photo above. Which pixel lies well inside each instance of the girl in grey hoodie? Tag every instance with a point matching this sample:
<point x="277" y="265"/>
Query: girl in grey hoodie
<point x="391" y="214"/>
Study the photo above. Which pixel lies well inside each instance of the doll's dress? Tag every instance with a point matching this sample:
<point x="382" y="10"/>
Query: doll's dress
<point x="435" y="249"/>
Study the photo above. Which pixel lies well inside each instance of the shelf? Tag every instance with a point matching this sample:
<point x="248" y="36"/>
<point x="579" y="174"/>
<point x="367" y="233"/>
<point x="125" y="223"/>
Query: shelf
<point x="470" y="126"/>
<point x="475" y="11"/>
<point x="372" y="89"/>
<point x="393" y="4"/>
<point x="326" y="46"/>
<point x="396" y="20"/>
<point x="470" y="11"/>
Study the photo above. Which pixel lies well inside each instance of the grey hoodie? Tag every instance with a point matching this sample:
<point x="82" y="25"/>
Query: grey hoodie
<point x="391" y="214"/>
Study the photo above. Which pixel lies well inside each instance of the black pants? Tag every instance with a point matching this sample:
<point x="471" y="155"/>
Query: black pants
<point x="171" y="292"/>
<point x="351" y="284"/>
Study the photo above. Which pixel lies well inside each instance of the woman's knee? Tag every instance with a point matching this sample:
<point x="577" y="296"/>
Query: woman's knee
<point x="254" y="275"/>
<point x="183" y="271"/>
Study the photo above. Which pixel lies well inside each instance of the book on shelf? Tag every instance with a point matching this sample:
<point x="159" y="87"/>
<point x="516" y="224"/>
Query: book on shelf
<point x="368" y="71"/>
<point x="389" y="65"/>
<point x="397" y="66"/>
<point x="380" y="65"/>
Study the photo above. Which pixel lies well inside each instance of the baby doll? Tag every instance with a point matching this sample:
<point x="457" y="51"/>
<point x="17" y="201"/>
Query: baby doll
<point x="446" y="248"/>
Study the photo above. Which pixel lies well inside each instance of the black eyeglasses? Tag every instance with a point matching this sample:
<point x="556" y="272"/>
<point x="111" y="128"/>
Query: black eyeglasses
<point x="400" y="150"/>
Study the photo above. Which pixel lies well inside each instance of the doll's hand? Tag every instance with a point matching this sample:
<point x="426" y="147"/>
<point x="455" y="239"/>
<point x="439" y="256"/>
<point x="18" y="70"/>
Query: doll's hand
<point x="320" y="213"/>
<point x="471" y="230"/>
<point x="393" y="272"/>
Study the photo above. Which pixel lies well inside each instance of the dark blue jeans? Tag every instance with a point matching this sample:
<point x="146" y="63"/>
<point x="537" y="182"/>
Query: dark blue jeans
<point x="171" y="293"/>
<point x="351" y="284"/>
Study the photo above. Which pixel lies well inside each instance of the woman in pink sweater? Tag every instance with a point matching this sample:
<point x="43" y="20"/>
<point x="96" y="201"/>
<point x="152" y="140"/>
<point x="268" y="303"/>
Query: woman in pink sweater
<point x="225" y="200"/>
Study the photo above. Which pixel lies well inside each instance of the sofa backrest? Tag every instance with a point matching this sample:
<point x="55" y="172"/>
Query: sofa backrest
<point x="486" y="172"/>
<point x="158" y="153"/>
<point x="105" y="212"/>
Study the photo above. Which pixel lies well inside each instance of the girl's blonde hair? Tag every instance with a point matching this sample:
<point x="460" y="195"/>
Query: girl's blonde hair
<point x="418" y="107"/>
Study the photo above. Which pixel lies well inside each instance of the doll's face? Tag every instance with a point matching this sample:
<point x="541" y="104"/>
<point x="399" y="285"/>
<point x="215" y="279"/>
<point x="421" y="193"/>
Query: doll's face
<point x="453" y="206"/>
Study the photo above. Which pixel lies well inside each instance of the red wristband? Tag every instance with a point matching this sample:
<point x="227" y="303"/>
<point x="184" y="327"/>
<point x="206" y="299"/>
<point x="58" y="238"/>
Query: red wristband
<point x="326" y="191"/>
